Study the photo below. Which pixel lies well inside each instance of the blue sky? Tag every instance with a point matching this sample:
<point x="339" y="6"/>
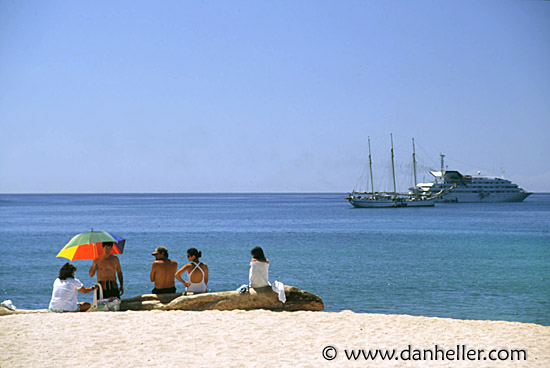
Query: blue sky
<point x="258" y="96"/>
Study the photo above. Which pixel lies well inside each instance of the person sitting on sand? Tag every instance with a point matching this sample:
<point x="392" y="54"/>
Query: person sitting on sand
<point x="163" y="272"/>
<point x="197" y="272"/>
<point x="108" y="267"/>
<point x="258" y="275"/>
<point x="65" y="292"/>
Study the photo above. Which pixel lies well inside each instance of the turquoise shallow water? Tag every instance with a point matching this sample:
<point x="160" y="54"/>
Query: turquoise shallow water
<point x="470" y="261"/>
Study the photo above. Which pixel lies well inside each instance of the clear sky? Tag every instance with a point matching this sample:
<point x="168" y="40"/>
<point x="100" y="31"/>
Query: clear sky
<point x="268" y="96"/>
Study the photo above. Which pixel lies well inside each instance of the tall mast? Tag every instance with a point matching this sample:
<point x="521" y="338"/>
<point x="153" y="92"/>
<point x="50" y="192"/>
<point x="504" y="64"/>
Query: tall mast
<point x="442" y="167"/>
<point x="414" y="170"/>
<point x="393" y="169"/>
<point x="370" y="167"/>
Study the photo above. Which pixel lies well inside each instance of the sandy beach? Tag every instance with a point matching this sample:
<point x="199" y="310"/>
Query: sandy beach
<point x="264" y="339"/>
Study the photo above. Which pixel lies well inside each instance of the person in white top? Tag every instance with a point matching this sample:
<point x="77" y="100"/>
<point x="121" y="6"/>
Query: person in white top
<point x="65" y="292"/>
<point x="197" y="272"/>
<point x="258" y="276"/>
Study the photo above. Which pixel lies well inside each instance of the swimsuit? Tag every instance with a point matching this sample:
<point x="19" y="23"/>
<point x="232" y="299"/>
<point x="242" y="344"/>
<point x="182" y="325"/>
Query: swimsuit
<point x="199" y="287"/>
<point x="110" y="288"/>
<point x="170" y="290"/>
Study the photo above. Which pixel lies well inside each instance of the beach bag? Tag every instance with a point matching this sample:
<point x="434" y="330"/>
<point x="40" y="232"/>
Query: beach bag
<point x="243" y="289"/>
<point x="104" y="305"/>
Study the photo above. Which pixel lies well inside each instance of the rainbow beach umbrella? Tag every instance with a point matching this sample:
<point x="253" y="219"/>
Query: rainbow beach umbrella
<point x="89" y="245"/>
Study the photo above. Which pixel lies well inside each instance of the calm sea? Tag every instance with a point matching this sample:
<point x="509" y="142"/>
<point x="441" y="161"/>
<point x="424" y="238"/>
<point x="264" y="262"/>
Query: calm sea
<point x="468" y="261"/>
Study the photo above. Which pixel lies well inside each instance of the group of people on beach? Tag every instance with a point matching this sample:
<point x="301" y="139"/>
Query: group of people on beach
<point x="164" y="272"/>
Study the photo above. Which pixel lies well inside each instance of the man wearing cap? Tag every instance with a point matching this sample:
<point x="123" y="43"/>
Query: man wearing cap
<point x="163" y="272"/>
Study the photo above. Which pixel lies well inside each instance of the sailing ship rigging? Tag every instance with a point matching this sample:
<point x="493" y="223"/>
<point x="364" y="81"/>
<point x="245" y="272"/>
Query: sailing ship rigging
<point x="394" y="199"/>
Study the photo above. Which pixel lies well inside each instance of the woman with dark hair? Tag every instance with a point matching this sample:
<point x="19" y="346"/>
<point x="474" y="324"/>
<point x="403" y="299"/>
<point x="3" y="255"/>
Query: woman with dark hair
<point x="197" y="272"/>
<point x="65" y="292"/>
<point x="258" y="275"/>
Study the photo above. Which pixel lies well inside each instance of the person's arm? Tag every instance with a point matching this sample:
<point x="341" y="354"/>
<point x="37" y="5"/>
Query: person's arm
<point x="179" y="273"/>
<point x="175" y="268"/>
<point x="153" y="269"/>
<point x="120" y="278"/>
<point x="93" y="268"/>
<point x="87" y="290"/>
<point x="205" y="274"/>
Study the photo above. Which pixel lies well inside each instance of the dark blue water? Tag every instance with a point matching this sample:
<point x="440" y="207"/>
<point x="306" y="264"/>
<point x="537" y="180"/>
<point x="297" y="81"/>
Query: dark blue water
<point x="469" y="261"/>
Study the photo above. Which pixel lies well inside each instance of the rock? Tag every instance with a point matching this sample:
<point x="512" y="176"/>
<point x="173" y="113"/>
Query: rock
<point x="5" y="311"/>
<point x="148" y="301"/>
<point x="261" y="298"/>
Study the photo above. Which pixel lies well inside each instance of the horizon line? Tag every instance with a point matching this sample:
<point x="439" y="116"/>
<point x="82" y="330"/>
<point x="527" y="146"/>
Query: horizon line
<point x="252" y="192"/>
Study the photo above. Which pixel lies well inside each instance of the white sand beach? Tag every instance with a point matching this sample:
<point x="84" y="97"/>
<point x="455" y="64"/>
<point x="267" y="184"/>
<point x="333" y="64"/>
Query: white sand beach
<point x="260" y="338"/>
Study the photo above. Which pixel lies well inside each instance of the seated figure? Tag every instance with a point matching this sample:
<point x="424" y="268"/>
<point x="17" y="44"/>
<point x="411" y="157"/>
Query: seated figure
<point x="197" y="272"/>
<point x="65" y="292"/>
<point x="258" y="275"/>
<point x="163" y="272"/>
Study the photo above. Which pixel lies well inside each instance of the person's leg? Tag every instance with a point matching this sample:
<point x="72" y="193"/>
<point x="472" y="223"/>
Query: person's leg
<point x="111" y="290"/>
<point x="84" y="306"/>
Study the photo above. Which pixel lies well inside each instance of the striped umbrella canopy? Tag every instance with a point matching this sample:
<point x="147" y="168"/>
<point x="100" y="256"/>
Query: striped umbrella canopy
<point x="89" y="245"/>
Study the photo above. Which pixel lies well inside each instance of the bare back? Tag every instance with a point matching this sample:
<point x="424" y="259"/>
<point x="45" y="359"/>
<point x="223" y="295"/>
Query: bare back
<point x="163" y="273"/>
<point x="196" y="275"/>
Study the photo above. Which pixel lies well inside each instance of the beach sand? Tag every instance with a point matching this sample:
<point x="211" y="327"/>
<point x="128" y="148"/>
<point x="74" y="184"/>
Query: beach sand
<point x="257" y="339"/>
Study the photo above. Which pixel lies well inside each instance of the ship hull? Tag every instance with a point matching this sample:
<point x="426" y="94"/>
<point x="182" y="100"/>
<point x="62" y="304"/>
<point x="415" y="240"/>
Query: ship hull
<point x="376" y="203"/>
<point x="421" y="202"/>
<point x="390" y="203"/>
<point x="456" y="196"/>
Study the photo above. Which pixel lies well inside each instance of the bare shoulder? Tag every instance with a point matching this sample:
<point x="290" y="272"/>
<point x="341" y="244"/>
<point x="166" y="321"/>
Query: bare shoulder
<point x="255" y="260"/>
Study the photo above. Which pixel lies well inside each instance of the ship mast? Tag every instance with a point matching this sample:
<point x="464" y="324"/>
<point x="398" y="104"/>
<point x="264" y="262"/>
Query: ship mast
<point x="414" y="170"/>
<point x="370" y="167"/>
<point x="442" y="167"/>
<point x="393" y="169"/>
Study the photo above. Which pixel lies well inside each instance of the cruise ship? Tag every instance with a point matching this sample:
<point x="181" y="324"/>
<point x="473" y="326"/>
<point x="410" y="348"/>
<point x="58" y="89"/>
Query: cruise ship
<point x="471" y="189"/>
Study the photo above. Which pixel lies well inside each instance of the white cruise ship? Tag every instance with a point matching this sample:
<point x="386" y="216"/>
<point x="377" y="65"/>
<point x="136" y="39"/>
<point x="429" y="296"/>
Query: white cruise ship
<point x="472" y="189"/>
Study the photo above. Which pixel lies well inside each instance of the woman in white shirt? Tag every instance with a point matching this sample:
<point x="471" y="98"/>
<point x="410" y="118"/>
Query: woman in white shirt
<point x="258" y="275"/>
<point x="65" y="292"/>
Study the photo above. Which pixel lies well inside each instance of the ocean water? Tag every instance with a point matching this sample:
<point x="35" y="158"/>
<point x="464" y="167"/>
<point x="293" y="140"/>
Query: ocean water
<point x="467" y="261"/>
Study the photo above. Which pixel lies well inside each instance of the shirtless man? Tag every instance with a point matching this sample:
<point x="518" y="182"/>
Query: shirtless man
<point x="163" y="272"/>
<point x="108" y="267"/>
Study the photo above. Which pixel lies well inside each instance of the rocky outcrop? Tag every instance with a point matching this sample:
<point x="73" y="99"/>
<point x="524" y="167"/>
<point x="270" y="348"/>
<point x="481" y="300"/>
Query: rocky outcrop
<point x="5" y="311"/>
<point x="261" y="298"/>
